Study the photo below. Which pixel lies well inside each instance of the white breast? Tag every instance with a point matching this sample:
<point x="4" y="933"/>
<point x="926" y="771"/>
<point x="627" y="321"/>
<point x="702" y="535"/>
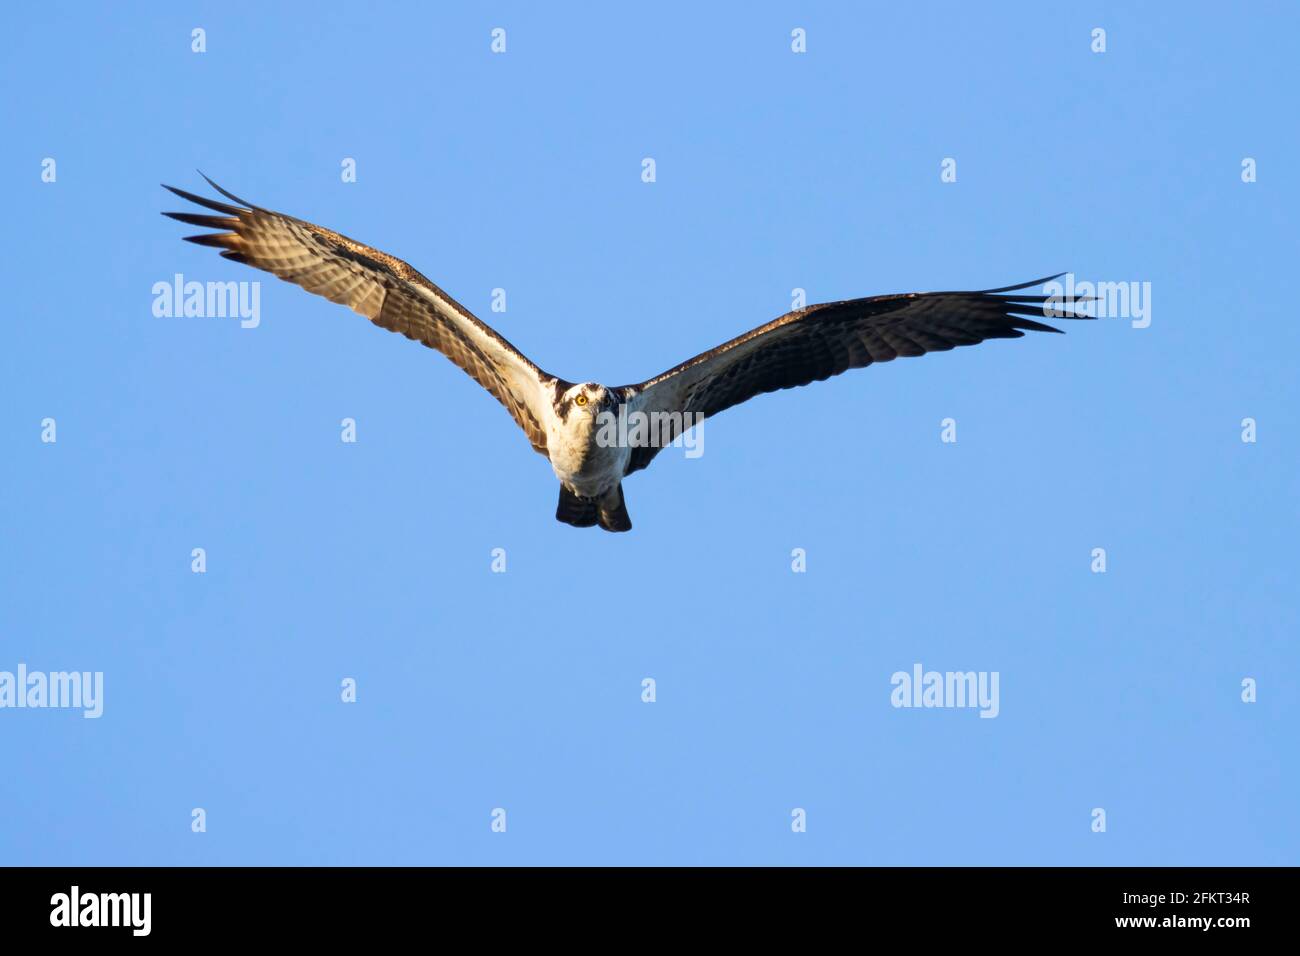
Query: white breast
<point x="579" y="460"/>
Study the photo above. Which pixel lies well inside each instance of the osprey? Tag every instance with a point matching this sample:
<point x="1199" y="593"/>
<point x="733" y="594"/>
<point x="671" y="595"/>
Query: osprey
<point x="564" y="420"/>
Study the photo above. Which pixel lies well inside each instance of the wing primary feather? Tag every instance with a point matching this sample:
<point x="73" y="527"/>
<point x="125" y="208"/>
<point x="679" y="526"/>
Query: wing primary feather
<point x="228" y="195"/>
<point x="1036" y="298"/>
<point x="203" y="201"/>
<point x="220" y="240"/>
<point x="198" y="219"/>
<point x="1020" y="322"/>
<point x="1037" y="313"/>
<point x="1023" y="285"/>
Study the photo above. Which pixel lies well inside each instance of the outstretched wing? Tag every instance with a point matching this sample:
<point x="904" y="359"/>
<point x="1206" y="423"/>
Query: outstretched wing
<point x="815" y="343"/>
<point x="381" y="287"/>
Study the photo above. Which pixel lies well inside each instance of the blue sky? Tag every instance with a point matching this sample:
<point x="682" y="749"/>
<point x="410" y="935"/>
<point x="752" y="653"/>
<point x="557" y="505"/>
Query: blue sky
<point x="523" y="690"/>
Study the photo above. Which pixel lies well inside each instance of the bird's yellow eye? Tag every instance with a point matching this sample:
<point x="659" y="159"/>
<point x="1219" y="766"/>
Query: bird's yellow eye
<point x="580" y="400"/>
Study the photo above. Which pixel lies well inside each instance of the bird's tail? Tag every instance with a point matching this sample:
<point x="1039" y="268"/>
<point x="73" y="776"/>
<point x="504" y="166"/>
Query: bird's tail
<point x="612" y="511"/>
<point x="608" y="511"/>
<point x="579" y="512"/>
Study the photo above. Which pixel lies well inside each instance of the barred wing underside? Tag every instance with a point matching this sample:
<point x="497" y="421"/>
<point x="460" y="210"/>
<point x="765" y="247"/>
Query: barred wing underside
<point x="381" y="287"/>
<point x="815" y="343"/>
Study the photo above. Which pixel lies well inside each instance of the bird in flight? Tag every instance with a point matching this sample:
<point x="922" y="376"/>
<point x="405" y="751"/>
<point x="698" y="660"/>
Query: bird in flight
<point x="569" y="422"/>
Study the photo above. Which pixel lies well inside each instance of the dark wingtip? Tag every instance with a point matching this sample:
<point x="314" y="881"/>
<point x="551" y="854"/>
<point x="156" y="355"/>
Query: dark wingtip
<point x="218" y="240"/>
<point x="1024" y="285"/>
<point x="229" y="195"/>
<point x="205" y="202"/>
<point x="198" y="219"/>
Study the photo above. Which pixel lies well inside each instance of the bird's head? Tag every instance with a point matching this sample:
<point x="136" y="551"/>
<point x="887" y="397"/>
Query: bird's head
<point x="588" y="398"/>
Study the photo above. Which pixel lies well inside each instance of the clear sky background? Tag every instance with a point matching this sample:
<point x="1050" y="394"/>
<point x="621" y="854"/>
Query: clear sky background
<point x="522" y="690"/>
